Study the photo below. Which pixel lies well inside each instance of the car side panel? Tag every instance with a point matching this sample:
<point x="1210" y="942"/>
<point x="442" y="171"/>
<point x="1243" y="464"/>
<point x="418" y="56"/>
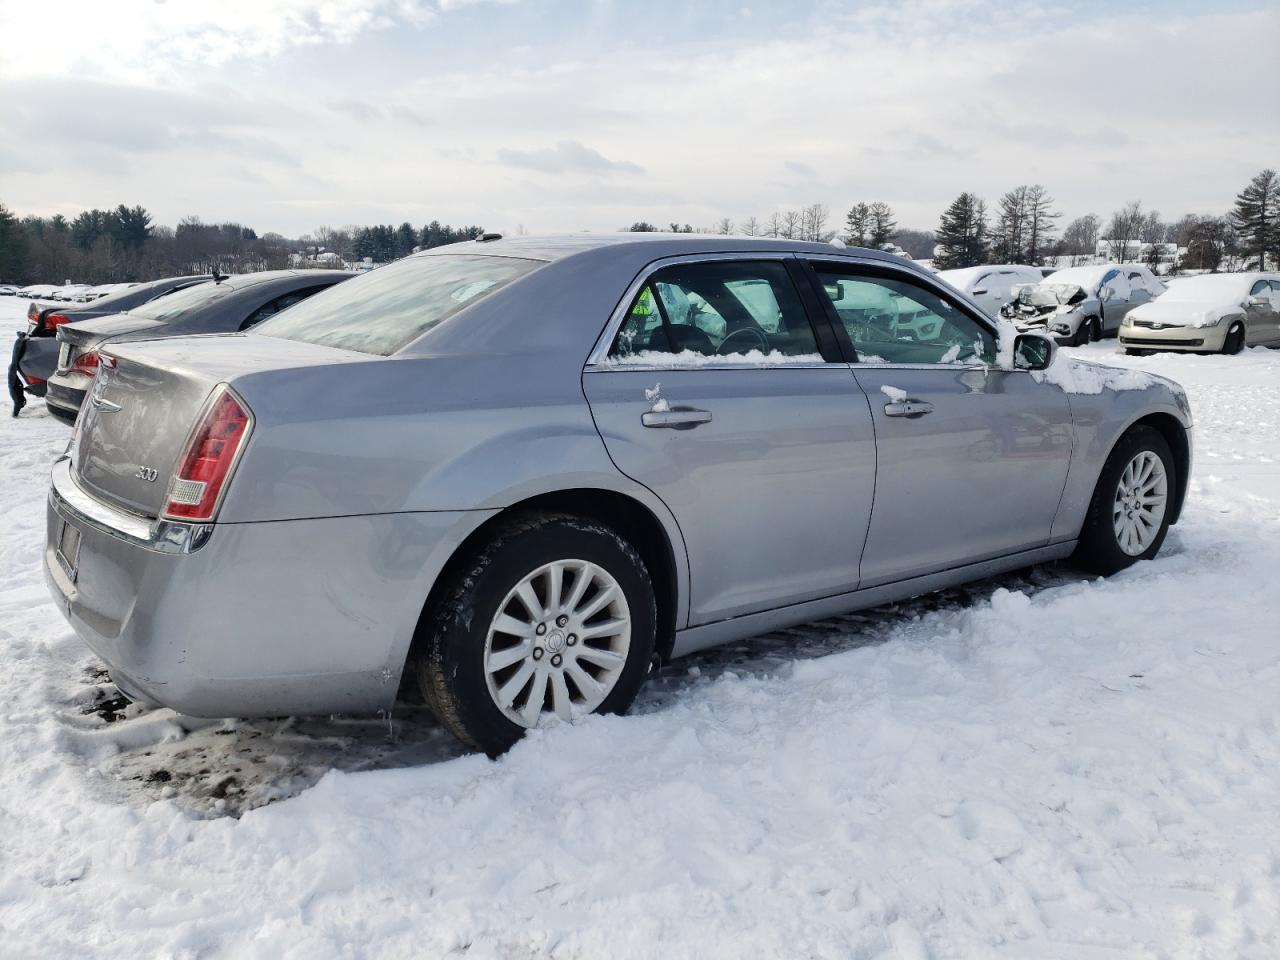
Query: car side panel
<point x="1100" y="420"/>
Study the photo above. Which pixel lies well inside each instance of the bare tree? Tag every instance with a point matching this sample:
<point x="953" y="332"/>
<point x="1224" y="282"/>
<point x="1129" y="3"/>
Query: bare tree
<point x="775" y="224"/>
<point x="790" y="224"/>
<point x="1040" y="218"/>
<point x="1124" y="229"/>
<point x="815" y="222"/>
<point x="1080" y="239"/>
<point x="724" y="227"/>
<point x="751" y="227"/>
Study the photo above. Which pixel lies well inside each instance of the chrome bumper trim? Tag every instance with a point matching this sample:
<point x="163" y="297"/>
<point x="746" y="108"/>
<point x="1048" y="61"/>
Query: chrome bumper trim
<point x="160" y="536"/>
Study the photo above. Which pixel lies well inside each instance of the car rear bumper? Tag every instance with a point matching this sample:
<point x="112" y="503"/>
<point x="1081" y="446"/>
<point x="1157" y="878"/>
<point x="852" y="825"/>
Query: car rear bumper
<point x="65" y="394"/>
<point x="247" y="619"/>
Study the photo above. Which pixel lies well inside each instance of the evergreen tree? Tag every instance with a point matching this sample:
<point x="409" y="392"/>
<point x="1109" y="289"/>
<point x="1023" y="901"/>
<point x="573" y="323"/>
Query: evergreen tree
<point x="1257" y="217"/>
<point x="857" y="225"/>
<point x="406" y="239"/>
<point x="882" y="225"/>
<point x="13" y="246"/>
<point x="962" y="234"/>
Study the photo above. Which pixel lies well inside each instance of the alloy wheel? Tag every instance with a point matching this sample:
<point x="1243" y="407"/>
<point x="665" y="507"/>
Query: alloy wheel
<point x="1141" y="497"/>
<point x="558" y="642"/>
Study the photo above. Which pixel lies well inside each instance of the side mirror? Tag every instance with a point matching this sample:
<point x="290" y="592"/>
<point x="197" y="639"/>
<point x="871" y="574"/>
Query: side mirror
<point x="1105" y="294"/>
<point x="1258" y="302"/>
<point x="1033" y="351"/>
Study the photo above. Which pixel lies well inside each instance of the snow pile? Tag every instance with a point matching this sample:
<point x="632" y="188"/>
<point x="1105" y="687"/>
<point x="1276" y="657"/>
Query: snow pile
<point x="1042" y="766"/>
<point x="1083" y="377"/>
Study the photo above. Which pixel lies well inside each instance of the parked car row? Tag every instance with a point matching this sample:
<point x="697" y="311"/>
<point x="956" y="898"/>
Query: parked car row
<point x="517" y="472"/>
<point x="57" y="355"/>
<point x="66" y="293"/>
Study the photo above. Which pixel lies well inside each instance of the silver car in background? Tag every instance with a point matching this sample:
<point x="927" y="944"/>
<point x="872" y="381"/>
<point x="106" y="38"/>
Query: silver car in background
<point x="516" y="473"/>
<point x="1081" y="304"/>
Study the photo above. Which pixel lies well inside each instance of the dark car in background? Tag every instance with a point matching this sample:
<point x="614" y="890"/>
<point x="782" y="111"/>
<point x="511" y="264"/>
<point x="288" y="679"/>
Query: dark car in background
<point x="225" y="305"/>
<point x="35" y="352"/>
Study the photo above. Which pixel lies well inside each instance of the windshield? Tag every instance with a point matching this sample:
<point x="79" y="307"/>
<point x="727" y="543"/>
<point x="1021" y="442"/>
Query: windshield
<point x="388" y="308"/>
<point x="1208" y="288"/>
<point x="169" y="306"/>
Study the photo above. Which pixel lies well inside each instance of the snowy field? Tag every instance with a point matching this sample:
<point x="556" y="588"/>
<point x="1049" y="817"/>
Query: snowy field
<point x="1038" y="766"/>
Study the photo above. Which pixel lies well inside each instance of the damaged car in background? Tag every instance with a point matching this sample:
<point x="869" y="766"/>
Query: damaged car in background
<point x="1081" y="304"/>
<point x="516" y="473"/>
<point x="35" y="351"/>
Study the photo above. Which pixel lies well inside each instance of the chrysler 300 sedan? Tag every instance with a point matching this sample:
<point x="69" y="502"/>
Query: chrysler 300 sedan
<point x="515" y="473"/>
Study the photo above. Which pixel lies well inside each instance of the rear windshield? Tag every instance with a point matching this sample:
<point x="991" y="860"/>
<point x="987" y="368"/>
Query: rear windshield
<point x="394" y="305"/>
<point x="169" y="306"/>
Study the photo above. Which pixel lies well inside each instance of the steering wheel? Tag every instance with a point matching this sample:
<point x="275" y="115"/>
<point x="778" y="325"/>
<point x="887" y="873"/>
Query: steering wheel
<point x="756" y="332"/>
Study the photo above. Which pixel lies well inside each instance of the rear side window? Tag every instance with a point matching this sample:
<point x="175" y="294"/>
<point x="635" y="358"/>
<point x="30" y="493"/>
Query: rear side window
<point x="279" y="303"/>
<point x="748" y="310"/>
<point x="169" y="306"/>
<point x="394" y="305"/>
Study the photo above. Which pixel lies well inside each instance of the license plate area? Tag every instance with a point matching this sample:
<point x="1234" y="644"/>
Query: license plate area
<point x="68" y="549"/>
<point x="64" y="356"/>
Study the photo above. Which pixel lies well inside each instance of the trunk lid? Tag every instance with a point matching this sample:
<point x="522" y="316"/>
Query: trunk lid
<point x="146" y="399"/>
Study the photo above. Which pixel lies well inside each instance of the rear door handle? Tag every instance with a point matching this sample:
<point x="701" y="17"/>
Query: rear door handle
<point x="907" y="408"/>
<point x="678" y="418"/>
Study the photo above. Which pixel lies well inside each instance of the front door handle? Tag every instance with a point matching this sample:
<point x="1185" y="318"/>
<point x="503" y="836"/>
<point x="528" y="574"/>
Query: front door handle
<point x="907" y="408"/>
<point x="677" y="418"/>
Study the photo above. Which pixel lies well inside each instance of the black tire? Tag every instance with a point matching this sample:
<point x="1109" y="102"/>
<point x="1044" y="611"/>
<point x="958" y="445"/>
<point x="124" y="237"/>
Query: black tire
<point x="1084" y="333"/>
<point x="449" y="658"/>
<point x="1098" y="550"/>
<point x="1234" y="341"/>
<point x="1133" y="352"/>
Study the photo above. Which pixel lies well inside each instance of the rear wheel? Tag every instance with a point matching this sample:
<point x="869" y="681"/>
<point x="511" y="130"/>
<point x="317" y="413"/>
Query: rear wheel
<point x="1234" y="341"/>
<point x="553" y="620"/>
<point x="1129" y="514"/>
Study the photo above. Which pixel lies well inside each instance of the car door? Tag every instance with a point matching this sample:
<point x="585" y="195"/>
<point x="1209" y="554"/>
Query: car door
<point x="715" y="394"/>
<point x="986" y="292"/>
<point x="1261" y="319"/>
<point x="1114" y="295"/>
<point x="971" y="459"/>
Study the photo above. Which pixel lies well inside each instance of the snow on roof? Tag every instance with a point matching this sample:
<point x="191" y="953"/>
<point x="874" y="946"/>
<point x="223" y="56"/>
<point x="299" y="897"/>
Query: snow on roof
<point x="961" y="277"/>
<point x="1087" y="277"/>
<point x="1215" y="287"/>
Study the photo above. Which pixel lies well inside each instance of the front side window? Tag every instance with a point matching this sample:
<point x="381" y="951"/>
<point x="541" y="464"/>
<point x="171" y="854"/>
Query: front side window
<point x="893" y="320"/>
<point x="745" y="311"/>
<point x="390" y="307"/>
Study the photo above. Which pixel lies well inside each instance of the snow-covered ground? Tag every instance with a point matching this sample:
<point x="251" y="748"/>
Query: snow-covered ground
<point x="1039" y="766"/>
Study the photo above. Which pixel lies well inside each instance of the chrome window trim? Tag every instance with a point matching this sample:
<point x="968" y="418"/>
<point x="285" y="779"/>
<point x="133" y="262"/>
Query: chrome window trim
<point x="598" y="359"/>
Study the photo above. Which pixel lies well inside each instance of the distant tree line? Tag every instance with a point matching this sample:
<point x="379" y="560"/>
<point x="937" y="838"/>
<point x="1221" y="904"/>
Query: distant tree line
<point x="106" y="246"/>
<point x="101" y="246"/>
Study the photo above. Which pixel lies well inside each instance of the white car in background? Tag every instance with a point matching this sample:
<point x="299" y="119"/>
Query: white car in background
<point x="1220" y="312"/>
<point x="7" y="290"/>
<point x="992" y="286"/>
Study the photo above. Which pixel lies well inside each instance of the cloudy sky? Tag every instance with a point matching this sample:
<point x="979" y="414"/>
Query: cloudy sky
<point x="588" y="114"/>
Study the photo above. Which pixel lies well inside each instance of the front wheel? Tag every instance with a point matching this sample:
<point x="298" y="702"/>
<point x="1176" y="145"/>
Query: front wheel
<point x="1234" y="341"/>
<point x="1129" y="514"/>
<point x="554" y="619"/>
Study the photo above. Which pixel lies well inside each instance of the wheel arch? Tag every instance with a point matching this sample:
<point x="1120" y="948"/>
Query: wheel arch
<point x="1169" y="427"/>
<point x="624" y="513"/>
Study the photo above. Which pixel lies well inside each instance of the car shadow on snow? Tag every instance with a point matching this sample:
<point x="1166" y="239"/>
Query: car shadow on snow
<point x="226" y="767"/>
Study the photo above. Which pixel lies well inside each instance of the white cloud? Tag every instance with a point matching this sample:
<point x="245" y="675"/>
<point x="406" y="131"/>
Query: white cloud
<point x="568" y="156"/>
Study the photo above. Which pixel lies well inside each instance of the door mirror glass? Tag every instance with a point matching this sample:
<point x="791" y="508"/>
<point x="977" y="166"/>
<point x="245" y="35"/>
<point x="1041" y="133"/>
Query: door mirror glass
<point x="1032" y="351"/>
<point x="1259" y="301"/>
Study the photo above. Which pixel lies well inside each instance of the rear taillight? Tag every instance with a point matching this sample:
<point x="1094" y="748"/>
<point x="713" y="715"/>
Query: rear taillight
<point x="209" y="457"/>
<point x="54" y="320"/>
<point x="86" y="363"/>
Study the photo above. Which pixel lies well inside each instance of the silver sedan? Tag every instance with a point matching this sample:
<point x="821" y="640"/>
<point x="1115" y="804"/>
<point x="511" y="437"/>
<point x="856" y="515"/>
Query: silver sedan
<point x="516" y="473"/>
